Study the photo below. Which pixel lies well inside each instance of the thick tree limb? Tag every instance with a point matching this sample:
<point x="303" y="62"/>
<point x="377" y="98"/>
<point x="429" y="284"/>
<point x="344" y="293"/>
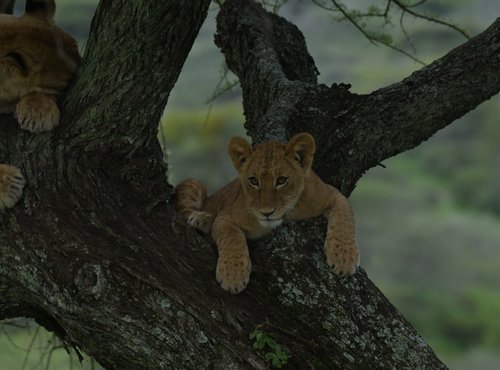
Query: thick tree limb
<point x="412" y="110"/>
<point x="80" y="253"/>
<point x="354" y="133"/>
<point x="118" y="61"/>
<point x="111" y="113"/>
<point x="269" y="44"/>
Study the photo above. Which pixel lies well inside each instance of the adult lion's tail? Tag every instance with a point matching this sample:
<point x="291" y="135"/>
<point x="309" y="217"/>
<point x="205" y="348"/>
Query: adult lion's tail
<point x="190" y="197"/>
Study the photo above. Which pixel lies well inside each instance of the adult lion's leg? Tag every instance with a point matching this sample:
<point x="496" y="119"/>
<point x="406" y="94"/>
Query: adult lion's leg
<point x="190" y="197"/>
<point x="11" y="186"/>
<point x="340" y="244"/>
<point x="37" y="112"/>
<point x="234" y="265"/>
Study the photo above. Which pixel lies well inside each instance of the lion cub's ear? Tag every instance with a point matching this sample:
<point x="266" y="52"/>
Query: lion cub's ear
<point x="302" y="147"/>
<point x="43" y="9"/>
<point x="239" y="150"/>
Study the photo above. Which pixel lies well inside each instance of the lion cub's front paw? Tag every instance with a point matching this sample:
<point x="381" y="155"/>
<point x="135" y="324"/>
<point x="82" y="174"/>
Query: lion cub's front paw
<point x="201" y="220"/>
<point x="37" y="113"/>
<point x="11" y="186"/>
<point x="233" y="274"/>
<point x="343" y="257"/>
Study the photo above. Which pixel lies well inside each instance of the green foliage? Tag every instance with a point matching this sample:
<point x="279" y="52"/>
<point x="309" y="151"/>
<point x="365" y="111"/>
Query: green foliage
<point x="278" y="358"/>
<point x="469" y="317"/>
<point x="27" y="346"/>
<point x="468" y="158"/>
<point x="195" y="144"/>
<point x="264" y="340"/>
<point x="383" y="38"/>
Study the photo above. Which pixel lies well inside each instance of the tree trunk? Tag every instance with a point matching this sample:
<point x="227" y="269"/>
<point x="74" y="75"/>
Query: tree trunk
<point x="96" y="252"/>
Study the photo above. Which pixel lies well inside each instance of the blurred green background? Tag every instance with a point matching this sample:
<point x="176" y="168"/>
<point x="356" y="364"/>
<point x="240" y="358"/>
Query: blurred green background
<point x="428" y="223"/>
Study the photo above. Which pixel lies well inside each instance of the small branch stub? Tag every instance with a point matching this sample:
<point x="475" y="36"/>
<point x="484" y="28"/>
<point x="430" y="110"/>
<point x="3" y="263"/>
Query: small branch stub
<point x="91" y="281"/>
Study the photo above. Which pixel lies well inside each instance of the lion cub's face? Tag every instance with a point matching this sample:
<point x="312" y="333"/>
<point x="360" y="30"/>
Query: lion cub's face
<point x="272" y="174"/>
<point x="35" y="56"/>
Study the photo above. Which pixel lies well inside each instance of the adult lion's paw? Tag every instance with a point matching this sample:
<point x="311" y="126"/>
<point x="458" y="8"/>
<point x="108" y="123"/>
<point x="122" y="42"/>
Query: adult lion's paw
<point x="11" y="186"/>
<point x="37" y="113"/>
<point x="342" y="256"/>
<point x="233" y="274"/>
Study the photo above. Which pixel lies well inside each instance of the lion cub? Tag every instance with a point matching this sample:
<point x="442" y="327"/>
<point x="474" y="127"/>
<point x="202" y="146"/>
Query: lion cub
<point x="37" y="63"/>
<point x="275" y="183"/>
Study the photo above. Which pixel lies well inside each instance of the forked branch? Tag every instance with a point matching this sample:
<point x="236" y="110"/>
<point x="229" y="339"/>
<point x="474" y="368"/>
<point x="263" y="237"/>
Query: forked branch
<point x="358" y="132"/>
<point x="357" y="19"/>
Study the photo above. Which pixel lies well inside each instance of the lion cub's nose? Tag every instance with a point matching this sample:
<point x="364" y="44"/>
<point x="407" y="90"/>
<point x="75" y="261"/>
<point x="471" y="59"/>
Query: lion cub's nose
<point x="267" y="214"/>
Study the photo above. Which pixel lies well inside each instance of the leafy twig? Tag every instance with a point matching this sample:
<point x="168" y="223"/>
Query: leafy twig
<point x="430" y="19"/>
<point x="354" y="17"/>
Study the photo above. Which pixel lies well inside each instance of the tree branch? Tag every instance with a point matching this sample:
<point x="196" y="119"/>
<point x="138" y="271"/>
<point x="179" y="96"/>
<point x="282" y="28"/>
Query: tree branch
<point x="258" y="47"/>
<point x="401" y="116"/>
<point x="354" y="133"/>
<point x="139" y="292"/>
<point x="130" y="43"/>
<point x="407" y="9"/>
<point x="111" y="112"/>
<point x="355" y="17"/>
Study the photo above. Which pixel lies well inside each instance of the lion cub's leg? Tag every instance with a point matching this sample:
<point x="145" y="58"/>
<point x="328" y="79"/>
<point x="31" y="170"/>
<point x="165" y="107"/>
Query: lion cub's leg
<point x="340" y="245"/>
<point x="234" y="265"/>
<point x="11" y="186"/>
<point x="190" y="196"/>
<point x="37" y="112"/>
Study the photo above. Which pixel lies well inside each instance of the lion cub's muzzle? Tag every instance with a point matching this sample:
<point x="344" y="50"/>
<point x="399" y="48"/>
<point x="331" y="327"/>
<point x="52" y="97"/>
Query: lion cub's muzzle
<point x="269" y="217"/>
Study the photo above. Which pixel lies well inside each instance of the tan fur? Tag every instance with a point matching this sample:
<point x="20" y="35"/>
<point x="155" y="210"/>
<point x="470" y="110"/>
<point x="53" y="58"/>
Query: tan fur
<point x="37" y="63"/>
<point x="11" y="186"/>
<point x="275" y="183"/>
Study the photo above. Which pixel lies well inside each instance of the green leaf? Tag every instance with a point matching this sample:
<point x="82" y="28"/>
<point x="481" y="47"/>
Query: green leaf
<point x="270" y="342"/>
<point x="277" y="363"/>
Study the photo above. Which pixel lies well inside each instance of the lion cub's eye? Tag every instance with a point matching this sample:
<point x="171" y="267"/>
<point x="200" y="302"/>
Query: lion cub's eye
<point x="253" y="181"/>
<point x="281" y="180"/>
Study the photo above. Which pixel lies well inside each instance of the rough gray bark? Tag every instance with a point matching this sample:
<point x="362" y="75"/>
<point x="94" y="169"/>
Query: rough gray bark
<point x="96" y="252"/>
